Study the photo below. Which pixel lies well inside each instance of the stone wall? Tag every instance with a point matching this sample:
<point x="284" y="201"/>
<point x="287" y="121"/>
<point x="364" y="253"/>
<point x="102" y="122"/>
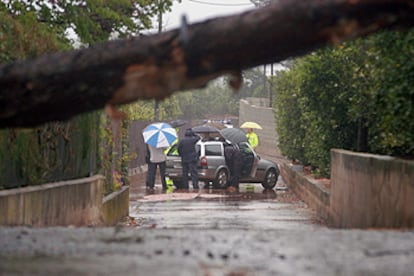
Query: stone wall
<point x="371" y="191"/>
<point x="75" y="202"/>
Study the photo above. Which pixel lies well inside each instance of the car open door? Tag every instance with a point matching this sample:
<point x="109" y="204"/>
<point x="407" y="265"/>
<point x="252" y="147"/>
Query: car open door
<point x="250" y="160"/>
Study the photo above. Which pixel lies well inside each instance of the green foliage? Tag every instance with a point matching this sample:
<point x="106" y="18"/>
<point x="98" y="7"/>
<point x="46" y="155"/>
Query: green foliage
<point x="324" y="104"/>
<point x="394" y="128"/>
<point x="139" y="110"/>
<point x="216" y="98"/>
<point x="288" y="115"/>
<point x="219" y="98"/>
<point x="59" y="151"/>
<point x="169" y="109"/>
<point x="53" y="152"/>
<point x="114" y="142"/>
<point x="93" y="20"/>
<point x="24" y="37"/>
<point x="255" y="84"/>
<point x="356" y="96"/>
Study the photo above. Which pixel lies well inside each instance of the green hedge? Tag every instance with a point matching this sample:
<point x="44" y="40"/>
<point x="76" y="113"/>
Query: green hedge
<point x="357" y="96"/>
<point x="53" y="152"/>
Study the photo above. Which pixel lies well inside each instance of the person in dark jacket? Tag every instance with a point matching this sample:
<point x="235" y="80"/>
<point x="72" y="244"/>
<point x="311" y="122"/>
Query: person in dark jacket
<point x="234" y="161"/>
<point x="189" y="157"/>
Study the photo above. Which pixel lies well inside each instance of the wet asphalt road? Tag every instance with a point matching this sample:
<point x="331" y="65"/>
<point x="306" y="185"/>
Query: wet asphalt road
<point x="250" y="208"/>
<point x="249" y="232"/>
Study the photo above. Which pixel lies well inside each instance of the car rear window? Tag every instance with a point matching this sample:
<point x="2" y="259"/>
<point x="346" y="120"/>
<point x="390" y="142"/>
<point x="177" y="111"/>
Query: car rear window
<point x="213" y="150"/>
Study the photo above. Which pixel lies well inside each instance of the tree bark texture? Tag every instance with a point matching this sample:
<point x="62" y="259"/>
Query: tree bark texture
<point x="61" y="85"/>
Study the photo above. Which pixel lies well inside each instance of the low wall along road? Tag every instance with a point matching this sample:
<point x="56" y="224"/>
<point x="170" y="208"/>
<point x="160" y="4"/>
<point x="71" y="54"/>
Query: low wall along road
<point x="78" y="202"/>
<point x="366" y="191"/>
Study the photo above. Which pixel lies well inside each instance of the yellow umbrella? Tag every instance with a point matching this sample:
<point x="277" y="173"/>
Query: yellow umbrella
<point x="251" y="125"/>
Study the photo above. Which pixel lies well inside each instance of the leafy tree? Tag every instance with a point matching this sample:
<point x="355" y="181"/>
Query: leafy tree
<point x="219" y="98"/>
<point x="92" y="20"/>
<point x="254" y="84"/>
<point x="216" y="98"/>
<point x="324" y="103"/>
<point x="30" y="156"/>
<point x="356" y="96"/>
<point x="394" y="124"/>
<point x="169" y="109"/>
<point x="58" y="151"/>
<point x="288" y="114"/>
<point x="24" y="37"/>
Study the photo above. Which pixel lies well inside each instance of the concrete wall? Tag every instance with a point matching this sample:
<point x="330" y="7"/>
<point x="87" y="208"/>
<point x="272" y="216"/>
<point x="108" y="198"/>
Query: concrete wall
<point x="116" y="206"/>
<point x="315" y="195"/>
<point x="367" y="191"/>
<point x="371" y="191"/>
<point x="75" y="202"/>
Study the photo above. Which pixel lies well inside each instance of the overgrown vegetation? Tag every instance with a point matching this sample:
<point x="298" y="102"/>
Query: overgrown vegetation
<point x="357" y="96"/>
<point x="90" y="143"/>
<point x="219" y="98"/>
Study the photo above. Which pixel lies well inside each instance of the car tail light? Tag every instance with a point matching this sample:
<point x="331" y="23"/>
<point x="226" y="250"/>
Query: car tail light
<point x="203" y="162"/>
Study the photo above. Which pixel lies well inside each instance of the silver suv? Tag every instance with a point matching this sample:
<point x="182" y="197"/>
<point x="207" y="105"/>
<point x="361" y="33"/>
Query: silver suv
<point x="212" y="166"/>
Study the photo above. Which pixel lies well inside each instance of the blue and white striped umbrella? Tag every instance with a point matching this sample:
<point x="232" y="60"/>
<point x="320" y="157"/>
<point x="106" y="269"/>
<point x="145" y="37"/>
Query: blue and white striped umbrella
<point x="159" y="135"/>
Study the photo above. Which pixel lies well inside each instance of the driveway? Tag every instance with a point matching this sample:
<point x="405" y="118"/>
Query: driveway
<point x="250" y="232"/>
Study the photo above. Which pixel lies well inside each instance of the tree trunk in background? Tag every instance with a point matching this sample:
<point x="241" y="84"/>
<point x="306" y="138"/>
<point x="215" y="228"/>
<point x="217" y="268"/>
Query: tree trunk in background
<point x="362" y="136"/>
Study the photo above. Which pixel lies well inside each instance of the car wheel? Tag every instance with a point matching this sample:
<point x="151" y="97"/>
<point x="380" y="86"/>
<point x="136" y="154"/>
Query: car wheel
<point x="221" y="180"/>
<point x="270" y="179"/>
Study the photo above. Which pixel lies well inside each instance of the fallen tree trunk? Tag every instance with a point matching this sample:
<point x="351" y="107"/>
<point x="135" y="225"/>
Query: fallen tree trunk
<point x="59" y="86"/>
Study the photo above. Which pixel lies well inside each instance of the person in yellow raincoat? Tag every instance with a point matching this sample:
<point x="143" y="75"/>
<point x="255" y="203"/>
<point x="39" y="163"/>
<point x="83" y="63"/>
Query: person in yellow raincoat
<point x="252" y="138"/>
<point x="169" y="181"/>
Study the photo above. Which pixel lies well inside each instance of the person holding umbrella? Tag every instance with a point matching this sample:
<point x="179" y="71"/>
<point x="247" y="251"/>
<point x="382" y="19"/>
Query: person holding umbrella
<point x="251" y="136"/>
<point x="157" y="136"/>
<point x="189" y="157"/>
<point x="155" y="158"/>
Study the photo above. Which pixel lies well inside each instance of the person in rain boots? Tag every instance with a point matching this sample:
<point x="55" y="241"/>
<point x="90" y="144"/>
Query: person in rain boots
<point x="189" y="158"/>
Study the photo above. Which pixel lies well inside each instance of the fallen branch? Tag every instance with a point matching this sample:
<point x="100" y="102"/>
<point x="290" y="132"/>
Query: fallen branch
<point x="59" y="86"/>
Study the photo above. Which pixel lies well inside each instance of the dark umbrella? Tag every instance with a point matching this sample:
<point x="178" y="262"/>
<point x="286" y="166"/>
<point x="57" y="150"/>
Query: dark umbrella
<point x="234" y="135"/>
<point x="178" y="122"/>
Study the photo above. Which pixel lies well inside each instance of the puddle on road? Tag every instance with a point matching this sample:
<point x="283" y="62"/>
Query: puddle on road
<point x="246" y="192"/>
<point x="251" y="206"/>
